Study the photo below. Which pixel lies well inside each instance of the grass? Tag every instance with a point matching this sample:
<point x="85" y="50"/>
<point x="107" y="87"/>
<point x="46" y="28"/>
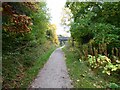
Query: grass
<point x="19" y="69"/>
<point x="81" y="74"/>
<point x="33" y="71"/>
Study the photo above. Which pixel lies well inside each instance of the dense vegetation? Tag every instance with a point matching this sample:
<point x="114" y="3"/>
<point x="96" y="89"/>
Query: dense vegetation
<point x="93" y="52"/>
<point x="81" y="73"/>
<point x="95" y="32"/>
<point x="28" y="38"/>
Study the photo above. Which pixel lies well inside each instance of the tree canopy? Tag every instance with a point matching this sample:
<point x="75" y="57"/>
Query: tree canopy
<point x="96" y="30"/>
<point x="24" y="38"/>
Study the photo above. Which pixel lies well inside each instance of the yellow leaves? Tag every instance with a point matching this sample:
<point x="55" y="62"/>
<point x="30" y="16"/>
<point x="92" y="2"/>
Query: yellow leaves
<point x="21" y="23"/>
<point x="1" y="9"/>
<point x="31" y="4"/>
<point x="18" y="23"/>
<point x="21" y="19"/>
<point x="107" y="59"/>
<point x="17" y="29"/>
<point x="52" y="27"/>
<point x="52" y="33"/>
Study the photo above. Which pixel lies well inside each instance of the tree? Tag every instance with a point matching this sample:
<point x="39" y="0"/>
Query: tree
<point x="96" y="30"/>
<point x="23" y="39"/>
<point x="51" y="33"/>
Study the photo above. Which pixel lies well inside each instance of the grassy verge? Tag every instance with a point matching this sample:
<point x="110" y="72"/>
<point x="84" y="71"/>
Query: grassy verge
<point x="80" y="72"/>
<point x="22" y="66"/>
<point x="33" y="71"/>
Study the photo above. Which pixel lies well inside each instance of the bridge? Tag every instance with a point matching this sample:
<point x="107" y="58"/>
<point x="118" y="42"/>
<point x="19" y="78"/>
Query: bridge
<point x="63" y="40"/>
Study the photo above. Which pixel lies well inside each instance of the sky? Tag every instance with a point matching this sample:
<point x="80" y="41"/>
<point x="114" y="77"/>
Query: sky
<point x="55" y="7"/>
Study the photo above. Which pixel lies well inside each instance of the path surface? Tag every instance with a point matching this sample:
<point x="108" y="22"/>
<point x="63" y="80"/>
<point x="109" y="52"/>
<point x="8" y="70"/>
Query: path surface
<point x="54" y="73"/>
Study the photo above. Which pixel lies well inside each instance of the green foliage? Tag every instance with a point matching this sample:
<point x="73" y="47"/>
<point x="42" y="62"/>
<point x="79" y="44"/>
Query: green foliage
<point x="99" y="61"/>
<point x="111" y="67"/>
<point x="90" y="22"/>
<point x="81" y="26"/>
<point x="105" y="33"/>
<point x="96" y="31"/>
<point x="113" y="85"/>
<point x="104" y="63"/>
<point x="81" y="74"/>
<point x="32" y="72"/>
<point x="21" y="49"/>
<point x="39" y="28"/>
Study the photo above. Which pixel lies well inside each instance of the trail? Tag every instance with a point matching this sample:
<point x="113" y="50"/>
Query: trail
<point x="54" y="73"/>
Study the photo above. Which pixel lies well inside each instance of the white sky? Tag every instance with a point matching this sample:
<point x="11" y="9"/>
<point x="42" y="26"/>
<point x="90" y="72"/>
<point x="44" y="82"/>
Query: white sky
<point x="55" y="7"/>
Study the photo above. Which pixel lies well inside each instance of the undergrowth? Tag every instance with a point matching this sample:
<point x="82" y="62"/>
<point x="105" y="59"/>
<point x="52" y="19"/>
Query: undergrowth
<point x="81" y="73"/>
<point x="20" y="67"/>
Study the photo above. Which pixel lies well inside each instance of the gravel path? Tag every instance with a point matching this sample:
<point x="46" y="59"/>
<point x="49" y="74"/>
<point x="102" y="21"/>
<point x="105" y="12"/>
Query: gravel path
<point x="54" y="73"/>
